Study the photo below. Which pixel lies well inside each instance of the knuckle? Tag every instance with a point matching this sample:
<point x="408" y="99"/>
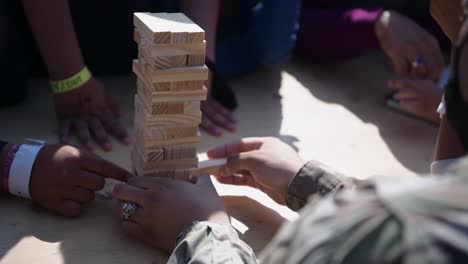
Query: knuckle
<point x="118" y="190"/>
<point x="100" y="183"/>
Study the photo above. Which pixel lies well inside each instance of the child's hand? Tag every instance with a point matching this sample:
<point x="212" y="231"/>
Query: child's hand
<point x="167" y="207"/>
<point x="64" y="178"/>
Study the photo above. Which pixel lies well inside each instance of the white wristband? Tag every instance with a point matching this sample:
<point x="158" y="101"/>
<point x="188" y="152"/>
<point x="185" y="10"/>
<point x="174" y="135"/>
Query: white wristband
<point x="21" y="167"/>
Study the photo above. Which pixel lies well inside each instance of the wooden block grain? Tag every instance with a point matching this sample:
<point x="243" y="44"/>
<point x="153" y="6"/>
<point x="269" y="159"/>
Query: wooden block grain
<point x="147" y="119"/>
<point x="166" y="133"/>
<point x="196" y="60"/>
<point x="168" y="28"/>
<point x="198" y="73"/>
<point x="149" y="143"/>
<point x="152" y="50"/>
<point x="183" y="175"/>
<point x="180" y="164"/>
<point x="210" y="167"/>
<point x="151" y="96"/>
<point x="171" y="153"/>
<point x="168" y="62"/>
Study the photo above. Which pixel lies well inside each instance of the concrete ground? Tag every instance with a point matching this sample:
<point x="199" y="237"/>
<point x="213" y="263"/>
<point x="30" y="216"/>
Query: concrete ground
<point x="334" y="114"/>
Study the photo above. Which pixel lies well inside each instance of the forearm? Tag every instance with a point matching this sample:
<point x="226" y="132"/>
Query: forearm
<point x="207" y="242"/>
<point x="52" y="26"/>
<point x="3" y="156"/>
<point x="316" y="181"/>
<point x="205" y="14"/>
<point x="448" y="145"/>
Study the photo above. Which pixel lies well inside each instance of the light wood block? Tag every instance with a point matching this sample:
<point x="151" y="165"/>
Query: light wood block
<point x="168" y="28"/>
<point x="210" y="167"/>
<point x="199" y="73"/>
<point x="147" y="119"/>
<point x="166" y="62"/>
<point x="157" y="107"/>
<point x="196" y="60"/>
<point x="154" y="88"/>
<point x="142" y="166"/>
<point x="171" y="153"/>
<point x="150" y="96"/>
<point x="187" y="86"/>
<point x="149" y="143"/>
<point x="166" y="133"/>
<point x="183" y="175"/>
<point x="175" y="152"/>
<point x="159" y="50"/>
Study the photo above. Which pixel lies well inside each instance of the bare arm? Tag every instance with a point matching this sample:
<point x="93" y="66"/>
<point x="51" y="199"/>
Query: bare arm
<point x="448" y="145"/>
<point x="3" y="156"/>
<point x="52" y="27"/>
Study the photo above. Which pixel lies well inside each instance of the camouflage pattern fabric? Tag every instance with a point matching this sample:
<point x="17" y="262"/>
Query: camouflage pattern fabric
<point x="420" y="220"/>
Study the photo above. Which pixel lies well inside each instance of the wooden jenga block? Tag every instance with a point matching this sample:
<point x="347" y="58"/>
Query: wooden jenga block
<point x="150" y="96"/>
<point x="157" y="50"/>
<point x="199" y="73"/>
<point x="168" y="133"/>
<point x="147" y="119"/>
<point x="196" y="60"/>
<point x="173" y="152"/>
<point x="162" y="87"/>
<point x="147" y="142"/>
<point x="167" y="62"/>
<point x="183" y="175"/>
<point x="210" y="167"/>
<point x="182" y="164"/>
<point x="165" y="28"/>
<point x="170" y="153"/>
<point x="167" y="152"/>
<point x="163" y="134"/>
<point x="194" y="85"/>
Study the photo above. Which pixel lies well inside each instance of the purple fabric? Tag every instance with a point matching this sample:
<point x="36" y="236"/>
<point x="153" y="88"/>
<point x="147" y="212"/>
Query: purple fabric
<point x="331" y="30"/>
<point x="328" y="35"/>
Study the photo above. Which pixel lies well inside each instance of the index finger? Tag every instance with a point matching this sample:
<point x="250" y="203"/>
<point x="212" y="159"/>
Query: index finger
<point x="104" y="168"/>
<point x="234" y="148"/>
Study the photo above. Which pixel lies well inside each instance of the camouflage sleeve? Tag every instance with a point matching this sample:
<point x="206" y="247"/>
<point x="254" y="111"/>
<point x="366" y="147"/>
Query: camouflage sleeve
<point x="417" y="220"/>
<point x="205" y="242"/>
<point x="315" y="180"/>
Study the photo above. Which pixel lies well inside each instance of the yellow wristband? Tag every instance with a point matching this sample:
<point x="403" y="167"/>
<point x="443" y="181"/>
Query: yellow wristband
<point x="71" y="83"/>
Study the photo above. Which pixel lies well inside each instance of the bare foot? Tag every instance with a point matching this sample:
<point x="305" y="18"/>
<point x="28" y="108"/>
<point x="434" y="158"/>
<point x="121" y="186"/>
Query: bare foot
<point x="419" y="97"/>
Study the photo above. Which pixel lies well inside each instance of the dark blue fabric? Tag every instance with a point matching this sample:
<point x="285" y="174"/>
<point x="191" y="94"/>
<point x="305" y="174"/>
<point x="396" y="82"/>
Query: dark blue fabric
<point x="262" y="33"/>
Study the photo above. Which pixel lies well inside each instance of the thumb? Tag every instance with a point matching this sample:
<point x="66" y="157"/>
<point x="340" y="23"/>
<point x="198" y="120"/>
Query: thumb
<point x="243" y="161"/>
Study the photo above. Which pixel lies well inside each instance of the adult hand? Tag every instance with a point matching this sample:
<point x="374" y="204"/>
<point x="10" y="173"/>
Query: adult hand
<point x="216" y="117"/>
<point x="167" y="207"/>
<point x="420" y="97"/>
<point x="447" y="13"/>
<point x="63" y="179"/>
<point x="267" y="164"/>
<point x="92" y="113"/>
<point x="413" y="51"/>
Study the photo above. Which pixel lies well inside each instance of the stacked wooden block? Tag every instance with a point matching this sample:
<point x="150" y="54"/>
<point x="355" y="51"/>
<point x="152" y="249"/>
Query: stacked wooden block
<point x="171" y="72"/>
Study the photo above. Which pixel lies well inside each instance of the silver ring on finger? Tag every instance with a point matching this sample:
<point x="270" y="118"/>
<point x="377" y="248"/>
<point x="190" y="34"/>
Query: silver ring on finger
<point x="416" y="63"/>
<point x="129" y="209"/>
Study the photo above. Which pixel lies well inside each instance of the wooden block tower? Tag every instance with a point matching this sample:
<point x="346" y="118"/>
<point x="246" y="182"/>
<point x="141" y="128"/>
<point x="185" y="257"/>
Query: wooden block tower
<point x="171" y="72"/>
